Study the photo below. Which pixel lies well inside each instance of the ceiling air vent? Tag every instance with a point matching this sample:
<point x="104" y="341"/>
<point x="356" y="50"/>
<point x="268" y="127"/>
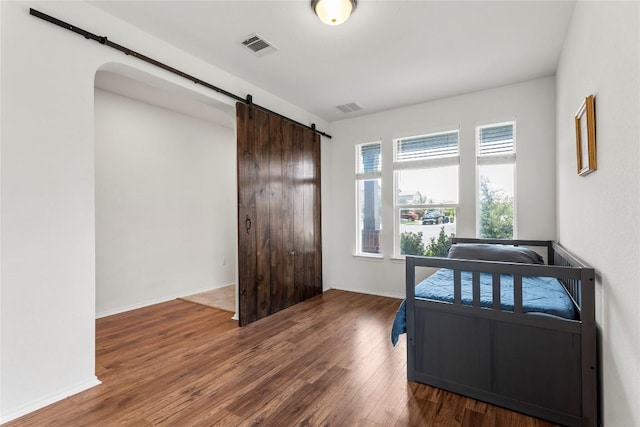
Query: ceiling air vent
<point x="349" y="108"/>
<point x="258" y="45"/>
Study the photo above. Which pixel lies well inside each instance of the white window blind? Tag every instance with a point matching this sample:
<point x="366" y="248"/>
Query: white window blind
<point x="427" y="147"/>
<point x="369" y="159"/>
<point x="496" y="140"/>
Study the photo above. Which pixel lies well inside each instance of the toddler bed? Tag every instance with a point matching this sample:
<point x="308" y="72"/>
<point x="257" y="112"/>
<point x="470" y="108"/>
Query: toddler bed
<point x="497" y="324"/>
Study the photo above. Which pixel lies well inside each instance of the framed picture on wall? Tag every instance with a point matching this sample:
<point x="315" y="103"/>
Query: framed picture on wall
<point x="586" y="136"/>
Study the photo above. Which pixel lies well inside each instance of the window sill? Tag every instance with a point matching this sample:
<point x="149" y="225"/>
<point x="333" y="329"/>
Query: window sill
<point x="377" y="257"/>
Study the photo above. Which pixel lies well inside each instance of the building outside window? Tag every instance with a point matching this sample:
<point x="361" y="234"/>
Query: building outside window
<point x="368" y="196"/>
<point x="426" y="193"/>
<point x="496" y="163"/>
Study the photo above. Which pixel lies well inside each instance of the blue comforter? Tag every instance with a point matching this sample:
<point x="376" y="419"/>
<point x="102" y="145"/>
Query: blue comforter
<point x="543" y="295"/>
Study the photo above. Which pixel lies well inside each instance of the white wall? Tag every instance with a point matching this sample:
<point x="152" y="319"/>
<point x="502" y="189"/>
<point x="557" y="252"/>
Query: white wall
<point x="47" y="171"/>
<point x="598" y="215"/>
<point x="165" y="204"/>
<point x="530" y="103"/>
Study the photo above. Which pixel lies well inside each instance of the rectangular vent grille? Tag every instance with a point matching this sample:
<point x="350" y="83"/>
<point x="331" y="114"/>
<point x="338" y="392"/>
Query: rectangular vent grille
<point x="349" y="108"/>
<point x="258" y="45"/>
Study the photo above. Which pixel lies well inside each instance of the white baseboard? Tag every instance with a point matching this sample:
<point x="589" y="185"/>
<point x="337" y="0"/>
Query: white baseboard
<point x="48" y="400"/>
<point x="369" y="292"/>
<point x="156" y="301"/>
<point x="135" y="306"/>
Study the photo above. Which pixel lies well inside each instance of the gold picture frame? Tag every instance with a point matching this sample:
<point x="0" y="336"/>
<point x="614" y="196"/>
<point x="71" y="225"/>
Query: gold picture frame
<point x="586" y="136"/>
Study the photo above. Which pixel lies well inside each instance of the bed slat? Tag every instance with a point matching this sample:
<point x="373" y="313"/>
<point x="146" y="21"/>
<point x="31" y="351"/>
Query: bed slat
<point x="496" y="291"/>
<point x="476" y="289"/>
<point x="457" y="286"/>
<point x="517" y="293"/>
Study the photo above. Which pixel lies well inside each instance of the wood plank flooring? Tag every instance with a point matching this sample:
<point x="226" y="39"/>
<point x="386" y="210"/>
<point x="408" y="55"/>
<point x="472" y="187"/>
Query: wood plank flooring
<point x="327" y="361"/>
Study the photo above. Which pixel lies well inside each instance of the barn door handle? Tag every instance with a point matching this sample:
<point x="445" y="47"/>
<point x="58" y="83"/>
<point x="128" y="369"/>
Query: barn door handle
<point x="247" y="224"/>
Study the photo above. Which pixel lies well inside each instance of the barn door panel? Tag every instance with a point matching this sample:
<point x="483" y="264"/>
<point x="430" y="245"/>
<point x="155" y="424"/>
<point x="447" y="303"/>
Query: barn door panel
<point x="263" y="218"/>
<point x="279" y="188"/>
<point x="298" y="216"/>
<point x="277" y="210"/>
<point x="311" y="187"/>
<point x="247" y="181"/>
<point x="288" y="166"/>
<point x="317" y="217"/>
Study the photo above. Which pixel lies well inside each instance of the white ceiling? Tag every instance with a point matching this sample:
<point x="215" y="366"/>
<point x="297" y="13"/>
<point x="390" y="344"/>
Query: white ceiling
<point x="388" y="54"/>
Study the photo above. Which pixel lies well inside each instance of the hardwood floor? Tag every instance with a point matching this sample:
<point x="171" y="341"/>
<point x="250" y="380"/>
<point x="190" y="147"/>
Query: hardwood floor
<point x="326" y="361"/>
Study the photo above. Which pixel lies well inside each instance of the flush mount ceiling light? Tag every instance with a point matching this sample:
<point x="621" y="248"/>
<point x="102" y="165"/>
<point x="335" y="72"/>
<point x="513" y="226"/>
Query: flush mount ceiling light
<point x="333" y="12"/>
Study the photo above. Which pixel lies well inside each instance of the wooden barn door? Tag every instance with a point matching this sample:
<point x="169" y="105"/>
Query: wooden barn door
<point x="279" y="236"/>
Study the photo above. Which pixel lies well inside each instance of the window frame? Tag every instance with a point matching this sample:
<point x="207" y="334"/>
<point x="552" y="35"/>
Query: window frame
<point x="422" y="164"/>
<point x="492" y="160"/>
<point x="362" y="177"/>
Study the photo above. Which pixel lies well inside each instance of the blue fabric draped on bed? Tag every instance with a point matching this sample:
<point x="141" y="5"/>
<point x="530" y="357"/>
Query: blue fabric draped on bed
<point x="542" y="295"/>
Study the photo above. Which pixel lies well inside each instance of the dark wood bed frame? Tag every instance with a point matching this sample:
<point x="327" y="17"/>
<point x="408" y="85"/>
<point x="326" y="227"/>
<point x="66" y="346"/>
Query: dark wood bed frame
<point x="544" y="366"/>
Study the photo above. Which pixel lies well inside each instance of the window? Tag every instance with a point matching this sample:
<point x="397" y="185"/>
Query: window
<point x="368" y="192"/>
<point x="496" y="160"/>
<point x="426" y="185"/>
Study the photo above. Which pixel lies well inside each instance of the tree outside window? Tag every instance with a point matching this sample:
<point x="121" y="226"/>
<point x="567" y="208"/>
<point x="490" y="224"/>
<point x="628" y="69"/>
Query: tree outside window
<point x="496" y="212"/>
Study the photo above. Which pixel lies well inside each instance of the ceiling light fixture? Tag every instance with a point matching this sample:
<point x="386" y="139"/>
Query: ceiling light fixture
<point x="333" y="12"/>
